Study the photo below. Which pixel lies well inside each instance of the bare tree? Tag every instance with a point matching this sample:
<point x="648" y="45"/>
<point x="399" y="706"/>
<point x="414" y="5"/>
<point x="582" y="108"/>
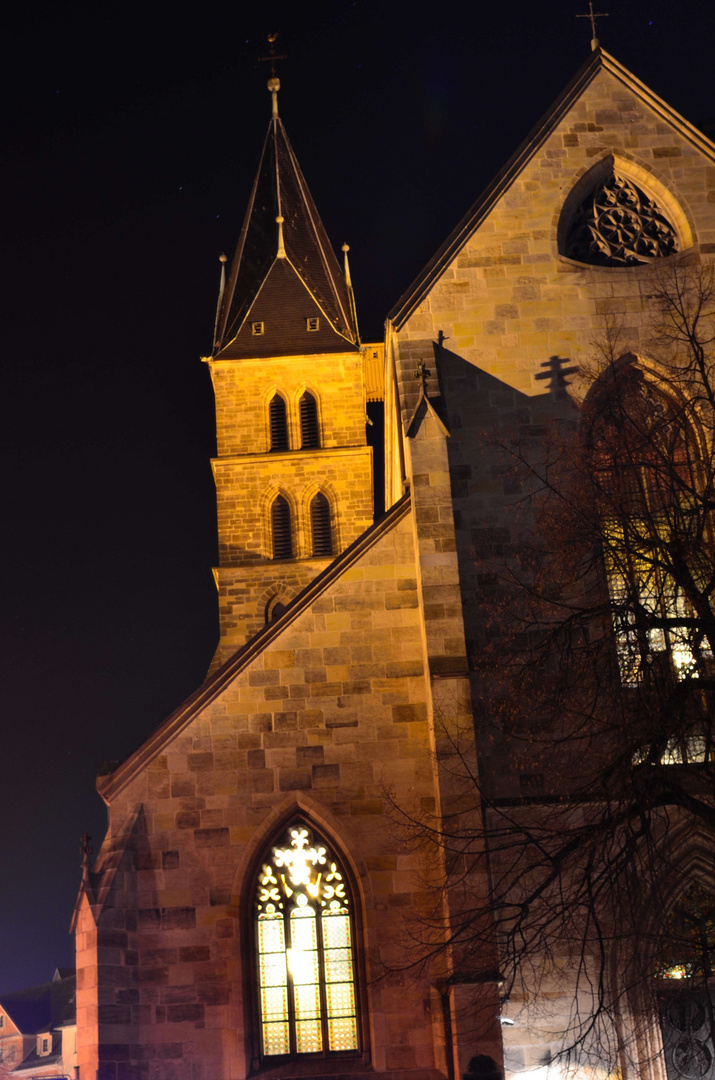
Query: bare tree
<point x="596" y="687"/>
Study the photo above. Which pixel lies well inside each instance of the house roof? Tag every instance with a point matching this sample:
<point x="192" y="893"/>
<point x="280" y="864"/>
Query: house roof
<point x="41" y="1008"/>
<point x="112" y="784"/>
<point x="309" y="282"/>
<point x="598" y="61"/>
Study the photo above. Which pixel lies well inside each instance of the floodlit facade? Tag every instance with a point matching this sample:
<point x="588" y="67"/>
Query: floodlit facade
<point x="257" y="905"/>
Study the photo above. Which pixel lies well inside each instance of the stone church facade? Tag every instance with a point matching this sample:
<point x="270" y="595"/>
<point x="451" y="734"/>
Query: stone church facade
<point x="252" y="906"/>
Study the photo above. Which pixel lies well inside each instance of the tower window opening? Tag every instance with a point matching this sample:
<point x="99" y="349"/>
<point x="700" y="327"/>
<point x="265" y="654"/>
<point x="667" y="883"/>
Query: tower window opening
<point x="281" y="529"/>
<point x="278" y="423"/>
<point x="258" y="328"/>
<point x="309" y="431"/>
<point x="312" y="323"/>
<point x="321" y="531"/>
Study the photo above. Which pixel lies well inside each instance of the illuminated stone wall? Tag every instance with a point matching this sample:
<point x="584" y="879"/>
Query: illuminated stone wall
<point x="248" y="477"/>
<point x="324" y="720"/>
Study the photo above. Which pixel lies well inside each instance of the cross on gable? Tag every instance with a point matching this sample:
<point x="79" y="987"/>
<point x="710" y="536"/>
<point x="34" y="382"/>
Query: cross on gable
<point x="592" y="15"/>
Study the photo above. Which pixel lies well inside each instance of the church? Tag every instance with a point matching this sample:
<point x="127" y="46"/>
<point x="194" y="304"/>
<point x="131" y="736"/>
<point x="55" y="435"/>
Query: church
<point x="259" y="906"/>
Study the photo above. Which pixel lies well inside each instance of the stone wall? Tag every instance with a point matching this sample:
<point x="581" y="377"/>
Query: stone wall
<point x="326" y="718"/>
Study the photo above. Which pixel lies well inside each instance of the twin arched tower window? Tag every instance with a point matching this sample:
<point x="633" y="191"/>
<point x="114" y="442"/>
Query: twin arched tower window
<point x="321" y="531"/>
<point x="278" y="423"/>
<point x="305" y="949"/>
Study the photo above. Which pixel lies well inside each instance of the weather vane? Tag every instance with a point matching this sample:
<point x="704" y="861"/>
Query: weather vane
<point x="274" y="83"/>
<point x="272" y="54"/>
<point x="593" y="15"/>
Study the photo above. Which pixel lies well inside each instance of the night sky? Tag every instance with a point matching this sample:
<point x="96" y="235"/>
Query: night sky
<point x="131" y="139"/>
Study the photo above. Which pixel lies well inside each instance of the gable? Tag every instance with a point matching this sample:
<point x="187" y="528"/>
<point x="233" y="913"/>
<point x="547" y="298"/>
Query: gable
<point x="604" y="110"/>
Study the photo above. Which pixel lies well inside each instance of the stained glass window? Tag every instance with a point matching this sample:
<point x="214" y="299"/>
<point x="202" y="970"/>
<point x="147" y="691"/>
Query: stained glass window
<point x="304" y="939"/>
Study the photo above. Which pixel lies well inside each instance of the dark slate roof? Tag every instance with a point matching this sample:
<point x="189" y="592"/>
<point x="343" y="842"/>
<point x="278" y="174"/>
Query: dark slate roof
<point x="42" y="1007"/>
<point x="317" y="285"/>
<point x="283" y="305"/>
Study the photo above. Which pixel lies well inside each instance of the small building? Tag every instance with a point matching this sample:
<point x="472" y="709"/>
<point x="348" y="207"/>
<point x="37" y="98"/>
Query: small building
<point x="38" y="1029"/>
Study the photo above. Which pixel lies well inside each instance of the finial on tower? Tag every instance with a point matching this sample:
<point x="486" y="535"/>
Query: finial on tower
<point x="593" y="15"/>
<point x="274" y="83"/>
<point x="281" y="253"/>
<point x="351" y="294"/>
<point x="223" y="259"/>
<point x="346" y="264"/>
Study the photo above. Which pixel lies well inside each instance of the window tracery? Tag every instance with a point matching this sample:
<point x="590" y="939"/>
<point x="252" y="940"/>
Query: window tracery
<point x="304" y="943"/>
<point x="617" y="224"/>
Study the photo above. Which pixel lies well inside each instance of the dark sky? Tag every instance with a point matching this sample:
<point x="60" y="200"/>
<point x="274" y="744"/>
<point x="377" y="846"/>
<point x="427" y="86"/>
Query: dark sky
<point x="130" y="142"/>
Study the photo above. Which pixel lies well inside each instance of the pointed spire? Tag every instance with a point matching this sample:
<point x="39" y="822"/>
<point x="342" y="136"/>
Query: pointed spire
<point x="300" y="245"/>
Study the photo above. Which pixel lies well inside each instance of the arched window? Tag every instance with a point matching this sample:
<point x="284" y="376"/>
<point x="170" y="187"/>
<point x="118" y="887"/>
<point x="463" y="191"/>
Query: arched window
<point x="282" y="534"/>
<point x="321" y="531"/>
<point x="687" y="999"/>
<point x="309" y="431"/>
<point x="304" y="946"/>
<point x="278" y="423"/>
<point x="644" y="474"/>
<point x="274" y="609"/>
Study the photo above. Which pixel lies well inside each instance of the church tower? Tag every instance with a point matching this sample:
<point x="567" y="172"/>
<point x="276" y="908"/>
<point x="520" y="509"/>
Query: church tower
<point x="293" y="470"/>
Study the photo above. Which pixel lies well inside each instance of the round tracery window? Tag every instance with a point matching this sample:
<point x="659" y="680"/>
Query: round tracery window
<point x="304" y="939"/>
<point x="619" y="225"/>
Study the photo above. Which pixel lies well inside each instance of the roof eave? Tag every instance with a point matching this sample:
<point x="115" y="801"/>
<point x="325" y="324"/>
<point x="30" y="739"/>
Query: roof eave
<point x="111" y="785"/>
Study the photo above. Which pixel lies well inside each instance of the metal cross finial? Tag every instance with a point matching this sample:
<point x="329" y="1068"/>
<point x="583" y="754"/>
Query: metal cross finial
<point x="272" y="54"/>
<point x="593" y="15"/>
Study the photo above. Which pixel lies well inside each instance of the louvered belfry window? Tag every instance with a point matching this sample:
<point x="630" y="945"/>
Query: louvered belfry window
<point x="278" y="423"/>
<point x="320" y="525"/>
<point x="281" y="529"/>
<point x="309" y="433"/>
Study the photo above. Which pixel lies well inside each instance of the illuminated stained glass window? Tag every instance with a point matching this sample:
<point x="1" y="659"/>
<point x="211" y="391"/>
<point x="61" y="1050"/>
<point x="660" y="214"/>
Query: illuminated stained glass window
<point x="644" y="466"/>
<point x="306" y="965"/>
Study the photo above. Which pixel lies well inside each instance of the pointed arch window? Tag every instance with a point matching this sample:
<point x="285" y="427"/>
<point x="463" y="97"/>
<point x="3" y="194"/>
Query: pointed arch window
<point x="320" y="527"/>
<point x="278" y="423"/>
<point x="644" y="473"/>
<point x="281" y="529"/>
<point x="309" y="430"/>
<point x="305" y="949"/>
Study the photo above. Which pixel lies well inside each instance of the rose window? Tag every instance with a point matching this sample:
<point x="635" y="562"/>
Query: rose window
<point x="619" y="225"/>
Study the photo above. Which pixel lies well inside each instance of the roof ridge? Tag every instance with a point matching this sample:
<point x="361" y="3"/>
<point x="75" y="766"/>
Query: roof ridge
<point x="110" y="785"/>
